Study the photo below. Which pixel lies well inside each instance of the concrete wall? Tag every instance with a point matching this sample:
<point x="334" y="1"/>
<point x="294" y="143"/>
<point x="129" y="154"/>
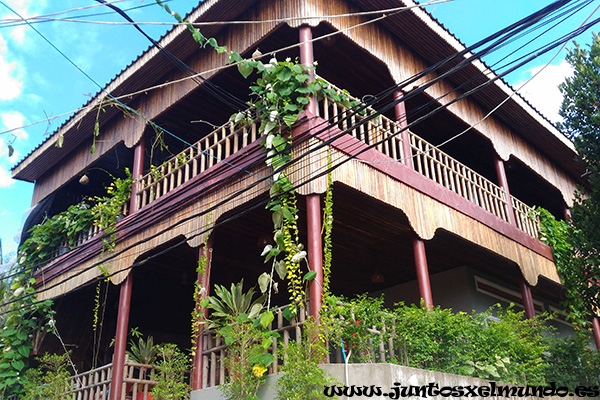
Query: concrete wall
<point x="456" y="289"/>
<point x="385" y="376"/>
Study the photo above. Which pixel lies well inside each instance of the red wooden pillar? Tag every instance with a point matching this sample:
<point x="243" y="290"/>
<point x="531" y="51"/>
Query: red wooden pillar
<point x="204" y="284"/>
<point x="527" y="299"/>
<point x="137" y="172"/>
<point x="501" y="173"/>
<point x="315" y="252"/>
<point x="596" y="331"/>
<point x="121" y="339"/>
<point x="125" y="293"/>
<point x="422" y="272"/>
<point x="400" y="109"/>
<point x="308" y="60"/>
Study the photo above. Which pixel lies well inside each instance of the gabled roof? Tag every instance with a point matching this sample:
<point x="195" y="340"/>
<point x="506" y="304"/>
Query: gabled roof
<point x="427" y="37"/>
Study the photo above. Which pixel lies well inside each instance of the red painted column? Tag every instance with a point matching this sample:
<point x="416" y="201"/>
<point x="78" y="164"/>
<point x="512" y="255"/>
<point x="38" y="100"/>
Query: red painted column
<point x="204" y="284"/>
<point x="308" y="60"/>
<point x="596" y="331"/>
<point x="121" y="339"/>
<point x="501" y="173"/>
<point x="400" y="109"/>
<point x="315" y="251"/>
<point x="527" y="299"/>
<point x="137" y="172"/>
<point x="422" y="272"/>
<point x="125" y="293"/>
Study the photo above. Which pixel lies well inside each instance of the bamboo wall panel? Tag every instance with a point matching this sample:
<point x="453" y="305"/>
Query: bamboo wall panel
<point x="402" y="64"/>
<point x="190" y="228"/>
<point x="426" y="215"/>
<point x="127" y="130"/>
<point x="120" y="266"/>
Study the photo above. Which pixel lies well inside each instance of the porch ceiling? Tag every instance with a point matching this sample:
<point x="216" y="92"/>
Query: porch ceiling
<point x="370" y="240"/>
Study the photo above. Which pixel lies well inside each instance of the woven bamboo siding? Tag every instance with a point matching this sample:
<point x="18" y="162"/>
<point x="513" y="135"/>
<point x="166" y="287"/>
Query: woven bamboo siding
<point x="426" y="215"/>
<point x="402" y="63"/>
<point x="187" y="229"/>
<point x="127" y="130"/>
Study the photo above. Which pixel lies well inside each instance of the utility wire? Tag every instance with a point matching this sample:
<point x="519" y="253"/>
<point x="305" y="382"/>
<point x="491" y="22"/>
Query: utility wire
<point x="45" y="18"/>
<point x="466" y="94"/>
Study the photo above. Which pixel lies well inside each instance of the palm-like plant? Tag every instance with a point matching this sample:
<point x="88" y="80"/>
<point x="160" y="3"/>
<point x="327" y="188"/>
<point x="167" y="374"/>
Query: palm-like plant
<point x="144" y="352"/>
<point x="229" y="305"/>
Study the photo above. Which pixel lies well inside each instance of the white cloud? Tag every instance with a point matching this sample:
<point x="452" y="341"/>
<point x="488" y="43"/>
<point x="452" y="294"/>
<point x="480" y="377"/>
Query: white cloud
<point x="11" y="74"/>
<point x="26" y="9"/>
<point x="12" y="120"/>
<point x="18" y="34"/>
<point x="542" y="91"/>
<point x="5" y="179"/>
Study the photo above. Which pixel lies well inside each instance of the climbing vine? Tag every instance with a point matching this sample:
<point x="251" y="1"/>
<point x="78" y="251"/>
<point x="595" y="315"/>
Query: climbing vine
<point x="571" y="268"/>
<point x="280" y="92"/>
<point x="327" y="229"/>
<point x="26" y="320"/>
<point x="201" y="269"/>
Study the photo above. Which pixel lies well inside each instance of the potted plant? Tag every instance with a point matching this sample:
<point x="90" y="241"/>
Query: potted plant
<point x="143" y="352"/>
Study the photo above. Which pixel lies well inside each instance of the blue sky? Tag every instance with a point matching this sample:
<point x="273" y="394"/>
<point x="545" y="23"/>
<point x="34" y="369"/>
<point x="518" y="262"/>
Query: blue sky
<point x="36" y="82"/>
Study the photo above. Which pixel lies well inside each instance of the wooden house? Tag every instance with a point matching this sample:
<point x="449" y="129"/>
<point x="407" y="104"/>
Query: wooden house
<point x="450" y="224"/>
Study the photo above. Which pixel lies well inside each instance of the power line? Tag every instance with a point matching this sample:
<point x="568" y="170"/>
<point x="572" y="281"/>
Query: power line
<point x="45" y="18"/>
<point x="405" y="97"/>
<point x="466" y="94"/>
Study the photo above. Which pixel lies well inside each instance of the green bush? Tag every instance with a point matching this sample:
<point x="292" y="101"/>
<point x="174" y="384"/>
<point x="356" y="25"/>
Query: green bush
<point x="570" y="363"/>
<point x="498" y="344"/>
<point x="302" y="378"/>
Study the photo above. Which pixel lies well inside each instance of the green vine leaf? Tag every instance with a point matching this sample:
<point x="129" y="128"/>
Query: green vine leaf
<point x="245" y="69"/>
<point x="266" y="318"/>
<point x="309" y="276"/>
<point x="263" y="282"/>
<point x="281" y="269"/>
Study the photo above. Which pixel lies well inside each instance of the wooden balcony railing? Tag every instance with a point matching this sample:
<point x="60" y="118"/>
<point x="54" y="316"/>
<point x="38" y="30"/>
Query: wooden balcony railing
<point x="208" y="151"/>
<point x="457" y="177"/>
<point x="429" y="161"/>
<point x="526" y="217"/>
<point x="95" y="384"/>
<point x="214" y="349"/>
<point x="380" y="131"/>
<point x="86" y="235"/>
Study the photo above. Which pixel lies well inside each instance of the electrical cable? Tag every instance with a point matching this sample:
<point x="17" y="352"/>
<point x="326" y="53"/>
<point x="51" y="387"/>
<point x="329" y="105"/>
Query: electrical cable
<point x="44" y="18"/>
<point x="15" y="22"/>
<point x="507" y="72"/>
<point x="213" y="70"/>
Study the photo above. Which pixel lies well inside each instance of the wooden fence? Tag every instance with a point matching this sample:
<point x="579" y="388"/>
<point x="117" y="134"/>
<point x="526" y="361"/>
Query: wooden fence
<point x="95" y="384"/>
<point x="214" y="349"/>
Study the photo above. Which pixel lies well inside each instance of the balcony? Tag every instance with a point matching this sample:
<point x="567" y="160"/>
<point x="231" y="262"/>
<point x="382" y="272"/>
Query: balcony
<point x="380" y="131"/>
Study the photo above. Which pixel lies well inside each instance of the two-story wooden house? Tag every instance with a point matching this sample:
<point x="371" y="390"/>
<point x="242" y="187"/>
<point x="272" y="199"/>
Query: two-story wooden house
<point x="450" y="224"/>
